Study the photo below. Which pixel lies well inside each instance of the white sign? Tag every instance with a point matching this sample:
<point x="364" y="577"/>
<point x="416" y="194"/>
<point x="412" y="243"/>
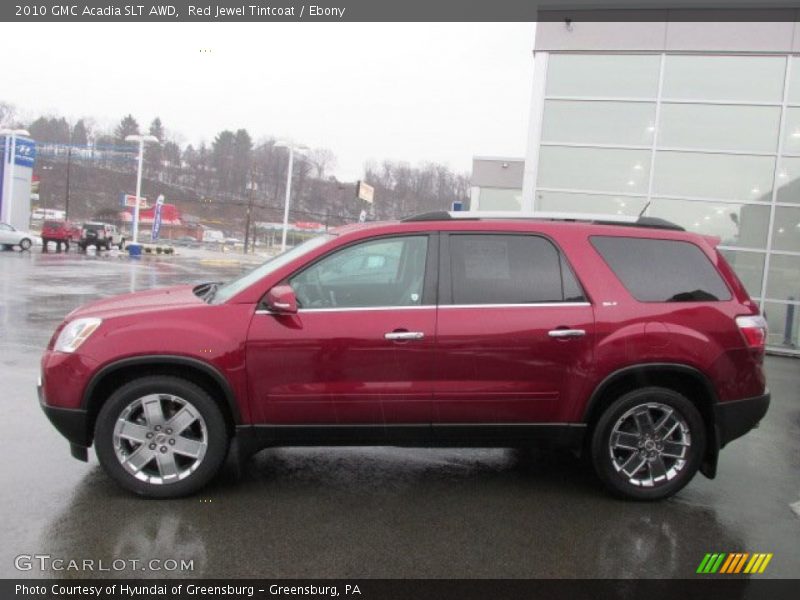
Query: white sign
<point x="129" y="200"/>
<point x="365" y="191"/>
<point x="362" y="217"/>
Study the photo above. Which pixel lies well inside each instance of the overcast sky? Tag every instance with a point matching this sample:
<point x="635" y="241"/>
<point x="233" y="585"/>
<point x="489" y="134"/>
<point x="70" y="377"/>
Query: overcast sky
<point x="412" y="92"/>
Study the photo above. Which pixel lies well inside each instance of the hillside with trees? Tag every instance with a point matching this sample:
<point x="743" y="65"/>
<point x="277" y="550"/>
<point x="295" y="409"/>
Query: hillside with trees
<point x="215" y="182"/>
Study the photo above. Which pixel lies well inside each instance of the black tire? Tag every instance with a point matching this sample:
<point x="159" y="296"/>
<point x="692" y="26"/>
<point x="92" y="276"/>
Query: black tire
<point x="25" y="244"/>
<point x="606" y="461"/>
<point x="216" y="435"/>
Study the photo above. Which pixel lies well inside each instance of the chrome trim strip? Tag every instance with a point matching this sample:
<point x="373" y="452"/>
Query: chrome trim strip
<point x="350" y="309"/>
<point x="431" y="306"/>
<point x="531" y="305"/>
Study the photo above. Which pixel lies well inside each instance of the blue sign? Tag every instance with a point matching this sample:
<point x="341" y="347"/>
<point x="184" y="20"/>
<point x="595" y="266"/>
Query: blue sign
<point x="457" y="206"/>
<point x="157" y="218"/>
<point x="25" y="154"/>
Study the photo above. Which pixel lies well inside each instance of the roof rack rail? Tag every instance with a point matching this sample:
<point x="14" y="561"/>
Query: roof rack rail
<point x="600" y="219"/>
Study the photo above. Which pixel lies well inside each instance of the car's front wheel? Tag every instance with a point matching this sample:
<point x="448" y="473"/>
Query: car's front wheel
<point x="25" y="244"/>
<point x="161" y="436"/>
<point x="648" y="444"/>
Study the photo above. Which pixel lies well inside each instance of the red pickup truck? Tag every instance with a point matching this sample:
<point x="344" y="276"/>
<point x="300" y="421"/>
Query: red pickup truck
<point x="60" y="232"/>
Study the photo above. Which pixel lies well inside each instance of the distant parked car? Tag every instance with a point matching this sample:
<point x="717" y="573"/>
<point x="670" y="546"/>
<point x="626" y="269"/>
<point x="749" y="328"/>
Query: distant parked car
<point x="186" y="240"/>
<point x="10" y="237"/>
<point x="60" y="232"/>
<point x="101" y="235"/>
<point x="213" y="235"/>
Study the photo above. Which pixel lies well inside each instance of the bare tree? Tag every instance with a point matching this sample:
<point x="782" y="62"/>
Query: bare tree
<point x="323" y="160"/>
<point x="8" y="114"/>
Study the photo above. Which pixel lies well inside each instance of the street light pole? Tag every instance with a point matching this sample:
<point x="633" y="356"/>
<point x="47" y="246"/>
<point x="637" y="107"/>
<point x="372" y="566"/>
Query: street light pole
<point x="252" y="186"/>
<point x="291" y="148"/>
<point x="69" y="161"/>
<point x="288" y="198"/>
<point x="141" y="139"/>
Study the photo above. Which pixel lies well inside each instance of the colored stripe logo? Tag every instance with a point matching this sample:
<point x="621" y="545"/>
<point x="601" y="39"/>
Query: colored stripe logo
<point x="734" y="562"/>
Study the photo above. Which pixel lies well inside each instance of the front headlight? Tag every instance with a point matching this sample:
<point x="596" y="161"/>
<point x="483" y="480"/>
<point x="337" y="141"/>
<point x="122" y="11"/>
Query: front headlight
<point x="74" y="334"/>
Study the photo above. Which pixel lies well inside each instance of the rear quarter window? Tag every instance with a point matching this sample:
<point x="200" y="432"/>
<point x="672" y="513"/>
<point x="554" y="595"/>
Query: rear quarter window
<point x="662" y="270"/>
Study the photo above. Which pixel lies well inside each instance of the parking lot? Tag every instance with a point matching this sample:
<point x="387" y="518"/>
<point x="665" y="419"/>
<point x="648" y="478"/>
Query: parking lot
<point x="364" y="512"/>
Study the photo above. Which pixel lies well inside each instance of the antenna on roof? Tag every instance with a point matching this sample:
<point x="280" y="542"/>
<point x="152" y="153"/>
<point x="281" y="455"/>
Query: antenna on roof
<point x="641" y="213"/>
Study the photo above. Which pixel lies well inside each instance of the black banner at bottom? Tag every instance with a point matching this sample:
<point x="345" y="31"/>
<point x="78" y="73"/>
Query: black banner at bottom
<point x="417" y="589"/>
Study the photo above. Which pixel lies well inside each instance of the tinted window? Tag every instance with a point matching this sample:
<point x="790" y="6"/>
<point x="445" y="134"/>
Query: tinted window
<point x="662" y="270"/>
<point x="509" y="269"/>
<point x="384" y="272"/>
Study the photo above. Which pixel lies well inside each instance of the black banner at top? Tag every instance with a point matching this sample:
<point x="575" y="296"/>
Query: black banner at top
<point x="380" y="11"/>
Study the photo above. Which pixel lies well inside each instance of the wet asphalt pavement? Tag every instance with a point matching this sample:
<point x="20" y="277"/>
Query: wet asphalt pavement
<point x="363" y="512"/>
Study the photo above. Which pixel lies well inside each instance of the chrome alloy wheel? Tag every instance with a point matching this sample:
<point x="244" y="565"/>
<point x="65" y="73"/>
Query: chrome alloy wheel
<point x="650" y="444"/>
<point x="160" y="438"/>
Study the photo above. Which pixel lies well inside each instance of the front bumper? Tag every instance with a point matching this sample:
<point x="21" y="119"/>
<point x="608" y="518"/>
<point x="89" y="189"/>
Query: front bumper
<point x="737" y="417"/>
<point x="72" y="423"/>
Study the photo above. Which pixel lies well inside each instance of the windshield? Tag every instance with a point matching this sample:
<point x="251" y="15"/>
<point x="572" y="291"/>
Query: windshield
<point x="230" y="289"/>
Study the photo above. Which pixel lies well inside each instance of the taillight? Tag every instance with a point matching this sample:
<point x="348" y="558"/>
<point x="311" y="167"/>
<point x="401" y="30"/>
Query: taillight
<point x="754" y="331"/>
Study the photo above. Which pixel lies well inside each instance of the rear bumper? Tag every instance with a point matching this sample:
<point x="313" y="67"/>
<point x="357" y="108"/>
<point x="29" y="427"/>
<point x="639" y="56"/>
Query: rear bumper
<point x="735" y="418"/>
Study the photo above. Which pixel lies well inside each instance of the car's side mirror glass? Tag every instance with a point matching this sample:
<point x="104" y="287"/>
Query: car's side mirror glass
<point x="281" y="299"/>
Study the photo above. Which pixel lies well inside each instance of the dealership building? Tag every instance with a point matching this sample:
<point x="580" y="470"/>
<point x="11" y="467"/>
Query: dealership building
<point x="690" y="119"/>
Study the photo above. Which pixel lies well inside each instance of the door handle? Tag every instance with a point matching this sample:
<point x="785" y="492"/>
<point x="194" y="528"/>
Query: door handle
<point x="566" y="333"/>
<point x="404" y="335"/>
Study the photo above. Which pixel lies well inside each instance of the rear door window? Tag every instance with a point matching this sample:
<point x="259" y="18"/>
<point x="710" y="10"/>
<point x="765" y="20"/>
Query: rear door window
<point x="662" y="270"/>
<point x="509" y="269"/>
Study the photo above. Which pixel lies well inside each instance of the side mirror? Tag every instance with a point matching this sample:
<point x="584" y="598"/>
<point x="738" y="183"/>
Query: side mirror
<point x="281" y="299"/>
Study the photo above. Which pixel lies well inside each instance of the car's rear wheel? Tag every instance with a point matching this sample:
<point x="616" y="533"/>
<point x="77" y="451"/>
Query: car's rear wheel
<point x="161" y="436"/>
<point x="25" y="244"/>
<point x="648" y="444"/>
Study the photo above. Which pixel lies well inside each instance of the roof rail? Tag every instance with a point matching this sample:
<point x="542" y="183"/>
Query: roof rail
<point x="601" y="219"/>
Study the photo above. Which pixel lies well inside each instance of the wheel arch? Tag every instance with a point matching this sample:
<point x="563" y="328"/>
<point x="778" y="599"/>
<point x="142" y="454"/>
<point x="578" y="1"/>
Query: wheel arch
<point x="684" y="379"/>
<point x="118" y="373"/>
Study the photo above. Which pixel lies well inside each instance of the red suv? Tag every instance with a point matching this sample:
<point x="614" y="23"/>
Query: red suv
<point x="632" y="342"/>
<point x="60" y="232"/>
